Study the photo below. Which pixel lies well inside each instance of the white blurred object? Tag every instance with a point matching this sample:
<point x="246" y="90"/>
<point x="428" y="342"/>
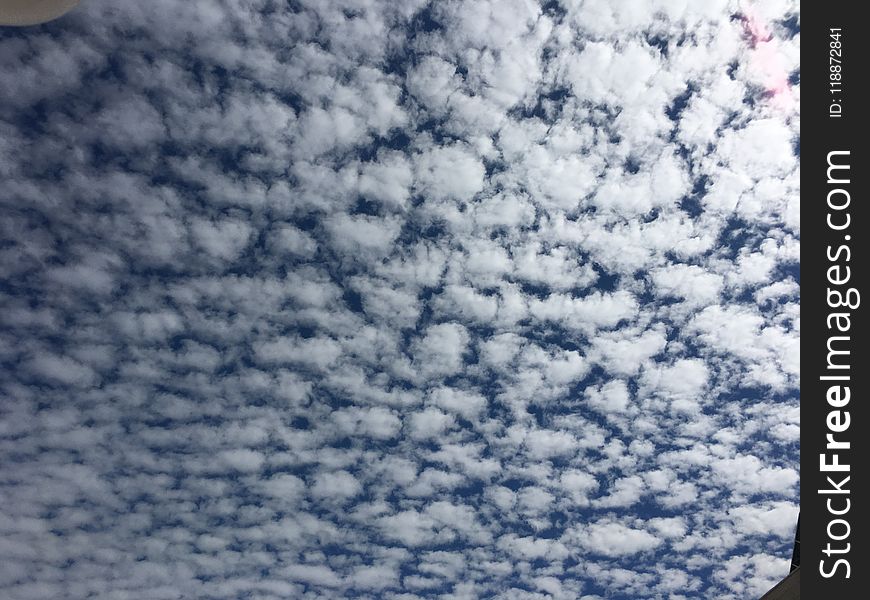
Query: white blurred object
<point x="32" y="12"/>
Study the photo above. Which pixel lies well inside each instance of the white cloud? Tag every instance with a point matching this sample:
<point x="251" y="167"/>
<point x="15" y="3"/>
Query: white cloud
<point x="429" y="423"/>
<point x="314" y="352"/>
<point x="612" y="397"/>
<point x="598" y="310"/>
<point x="61" y="370"/>
<point x="339" y="485"/>
<point x="388" y="180"/>
<point x="399" y="299"/>
<point x="242" y="459"/>
<point x="625" y="355"/>
<point x="623" y="493"/>
<point x="314" y="574"/>
<point x="284" y="486"/>
<point x="547" y="443"/>
<point x="578" y="485"/>
<point x="287" y="238"/>
<point x="363" y="234"/>
<point x="461" y="402"/>
<point x="376" y="422"/>
<point x="223" y="240"/>
<point x="449" y="173"/>
<point x="691" y="283"/>
<point x="746" y="474"/>
<point x="615" y="539"/>
<point x="439" y="352"/>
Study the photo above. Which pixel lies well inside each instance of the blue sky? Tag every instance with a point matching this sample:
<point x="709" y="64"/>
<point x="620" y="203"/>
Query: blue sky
<point x="399" y="300"/>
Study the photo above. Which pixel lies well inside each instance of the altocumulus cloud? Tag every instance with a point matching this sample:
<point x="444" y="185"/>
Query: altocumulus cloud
<point x="398" y="300"/>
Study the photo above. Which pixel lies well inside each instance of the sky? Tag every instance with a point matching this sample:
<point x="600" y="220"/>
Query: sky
<point x="400" y="300"/>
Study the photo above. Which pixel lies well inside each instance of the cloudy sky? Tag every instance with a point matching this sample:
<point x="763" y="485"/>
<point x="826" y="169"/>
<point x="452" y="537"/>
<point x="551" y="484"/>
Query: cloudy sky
<point x="399" y="300"/>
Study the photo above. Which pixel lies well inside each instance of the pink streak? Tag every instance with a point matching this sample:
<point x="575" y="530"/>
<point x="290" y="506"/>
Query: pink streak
<point x="767" y="63"/>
